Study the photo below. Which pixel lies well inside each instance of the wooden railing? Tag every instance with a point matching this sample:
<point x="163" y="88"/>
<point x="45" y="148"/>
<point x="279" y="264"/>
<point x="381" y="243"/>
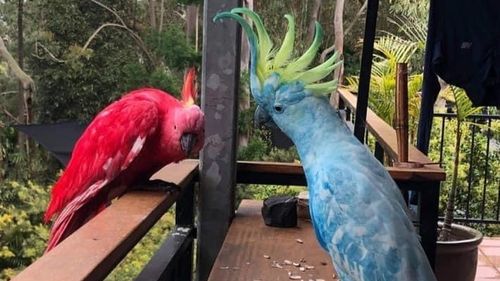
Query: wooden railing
<point x="97" y="247"/>
<point x="385" y="136"/>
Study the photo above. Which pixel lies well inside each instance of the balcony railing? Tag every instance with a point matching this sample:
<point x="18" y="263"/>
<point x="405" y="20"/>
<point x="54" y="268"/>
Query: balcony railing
<point x="479" y="192"/>
<point x="97" y="247"/>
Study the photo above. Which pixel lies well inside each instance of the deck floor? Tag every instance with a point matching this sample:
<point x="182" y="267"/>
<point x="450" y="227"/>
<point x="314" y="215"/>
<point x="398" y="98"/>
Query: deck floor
<point x="249" y="240"/>
<point x="252" y="250"/>
<point x="488" y="267"/>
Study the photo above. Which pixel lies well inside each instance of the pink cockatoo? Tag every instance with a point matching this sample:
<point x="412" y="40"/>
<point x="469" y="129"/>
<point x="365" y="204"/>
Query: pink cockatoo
<point x="125" y="144"/>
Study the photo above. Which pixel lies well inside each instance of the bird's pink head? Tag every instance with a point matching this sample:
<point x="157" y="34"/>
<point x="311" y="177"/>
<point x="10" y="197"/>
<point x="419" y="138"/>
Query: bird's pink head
<point x="189" y="120"/>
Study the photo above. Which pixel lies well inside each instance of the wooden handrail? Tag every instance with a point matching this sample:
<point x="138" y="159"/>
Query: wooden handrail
<point x="97" y="247"/>
<point x="386" y="136"/>
<point x="293" y="174"/>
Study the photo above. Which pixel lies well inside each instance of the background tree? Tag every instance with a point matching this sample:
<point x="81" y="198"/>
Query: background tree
<point x="464" y="109"/>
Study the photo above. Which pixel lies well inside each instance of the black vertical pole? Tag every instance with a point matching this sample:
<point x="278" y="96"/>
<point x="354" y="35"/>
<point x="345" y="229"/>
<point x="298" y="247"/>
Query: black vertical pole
<point x="184" y="216"/>
<point x="220" y="83"/>
<point x="430" y="86"/>
<point x="429" y="208"/>
<point x="366" y="68"/>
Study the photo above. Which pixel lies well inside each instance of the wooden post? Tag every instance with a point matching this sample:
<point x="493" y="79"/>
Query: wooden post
<point x="220" y="83"/>
<point x="401" y="119"/>
<point x="401" y="122"/>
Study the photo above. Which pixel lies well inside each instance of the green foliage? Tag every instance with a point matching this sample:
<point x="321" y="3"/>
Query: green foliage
<point x="391" y="50"/>
<point x="190" y="2"/>
<point x="476" y="172"/>
<point x="160" y="78"/>
<point x="471" y="162"/>
<point x="261" y="192"/>
<point x="22" y="233"/>
<point x="463" y="104"/>
<point x="172" y="47"/>
<point x="258" y="145"/>
<point x="79" y="83"/>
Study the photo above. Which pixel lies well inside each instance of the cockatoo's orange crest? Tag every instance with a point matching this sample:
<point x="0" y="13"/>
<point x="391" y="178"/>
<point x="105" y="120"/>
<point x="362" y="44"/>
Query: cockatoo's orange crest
<point x="189" y="92"/>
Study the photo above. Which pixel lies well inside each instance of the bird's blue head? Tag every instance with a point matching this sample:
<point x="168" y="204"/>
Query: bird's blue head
<point x="279" y="83"/>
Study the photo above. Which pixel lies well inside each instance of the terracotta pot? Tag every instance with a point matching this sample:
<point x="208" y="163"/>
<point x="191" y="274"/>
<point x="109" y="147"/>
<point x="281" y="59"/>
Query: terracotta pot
<point x="456" y="260"/>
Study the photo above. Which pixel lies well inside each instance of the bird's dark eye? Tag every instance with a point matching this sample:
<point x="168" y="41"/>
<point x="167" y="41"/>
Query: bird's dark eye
<point x="278" y="108"/>
<point x="175" y="127"/>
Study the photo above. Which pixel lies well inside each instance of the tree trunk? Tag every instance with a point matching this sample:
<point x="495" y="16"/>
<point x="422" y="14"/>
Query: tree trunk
<point x="20" y="61"/>
<point x="444" y="235"/>
<point x="245" y="49"/>
<point x="313" y="17"/>
<point x="338" y="24"/>
<point x="162" y="12"/>
<point x="191" y="15"/>
<point x="197" y="29"/>
<point x="25" y="79"/>
<point x="244" y="102"/>
<point x="346" y="32"/>
<point x="152" y="14"/>
<point x="24" y="104"/>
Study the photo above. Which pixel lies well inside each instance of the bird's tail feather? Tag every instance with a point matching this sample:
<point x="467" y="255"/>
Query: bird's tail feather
<point x="66" y="224"/>
<point x="76" y="213"/>
<point x="55" y="203"/>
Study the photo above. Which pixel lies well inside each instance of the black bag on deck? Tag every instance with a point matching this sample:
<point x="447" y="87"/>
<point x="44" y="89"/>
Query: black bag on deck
<point x="280" y="211"/>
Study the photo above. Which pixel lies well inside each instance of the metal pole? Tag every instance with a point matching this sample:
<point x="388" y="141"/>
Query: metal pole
<point x="220" y="83"/>
<point x="366" y="68"/>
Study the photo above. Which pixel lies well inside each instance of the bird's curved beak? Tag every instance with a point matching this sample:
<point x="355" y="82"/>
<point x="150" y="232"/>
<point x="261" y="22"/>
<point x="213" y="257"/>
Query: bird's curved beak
<point x="188" y="140"/>
<point x="261" y="117"/>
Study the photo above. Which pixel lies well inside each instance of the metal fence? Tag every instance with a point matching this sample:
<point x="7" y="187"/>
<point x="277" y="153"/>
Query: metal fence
<point x="478" y="197"/>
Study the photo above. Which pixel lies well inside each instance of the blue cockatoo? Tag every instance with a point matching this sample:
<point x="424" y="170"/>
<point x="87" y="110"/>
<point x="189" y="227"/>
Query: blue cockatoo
<point x="357" y="210"/>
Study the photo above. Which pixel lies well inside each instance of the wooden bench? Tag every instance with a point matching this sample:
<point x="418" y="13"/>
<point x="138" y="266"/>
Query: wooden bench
<point x="243" y="256"/>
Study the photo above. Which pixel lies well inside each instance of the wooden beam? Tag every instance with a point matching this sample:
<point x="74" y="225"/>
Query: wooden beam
<point x="220" y="83"/>
<point x="96" y="248"/>
<point x="252" y="172"/>
<point x="293" y="174"/>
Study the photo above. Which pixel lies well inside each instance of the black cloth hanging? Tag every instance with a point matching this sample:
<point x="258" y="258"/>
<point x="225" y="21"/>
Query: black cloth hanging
<point x="466" y="50"/>
<point x="58" y="138"/>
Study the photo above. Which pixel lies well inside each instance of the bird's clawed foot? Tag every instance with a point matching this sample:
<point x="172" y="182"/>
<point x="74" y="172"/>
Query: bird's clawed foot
<point x="159" y="185"/>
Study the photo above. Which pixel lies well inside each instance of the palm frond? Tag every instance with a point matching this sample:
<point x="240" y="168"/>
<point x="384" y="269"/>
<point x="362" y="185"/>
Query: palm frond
<point x="414" y="29"/>
<point x="395" y="48"/>
<point x="464" y="106"/>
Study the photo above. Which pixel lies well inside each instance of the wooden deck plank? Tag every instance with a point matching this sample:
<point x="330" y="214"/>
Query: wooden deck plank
<point x="249" y="239"/>
<point x="97" y="247"/>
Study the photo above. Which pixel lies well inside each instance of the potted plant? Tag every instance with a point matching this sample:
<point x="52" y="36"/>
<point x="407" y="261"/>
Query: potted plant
<point x="457" y="247"/>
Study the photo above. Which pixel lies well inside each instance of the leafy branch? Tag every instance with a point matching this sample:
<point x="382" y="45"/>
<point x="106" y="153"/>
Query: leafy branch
<point x="25" y="79"/>
<point x="122" y="25"/>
